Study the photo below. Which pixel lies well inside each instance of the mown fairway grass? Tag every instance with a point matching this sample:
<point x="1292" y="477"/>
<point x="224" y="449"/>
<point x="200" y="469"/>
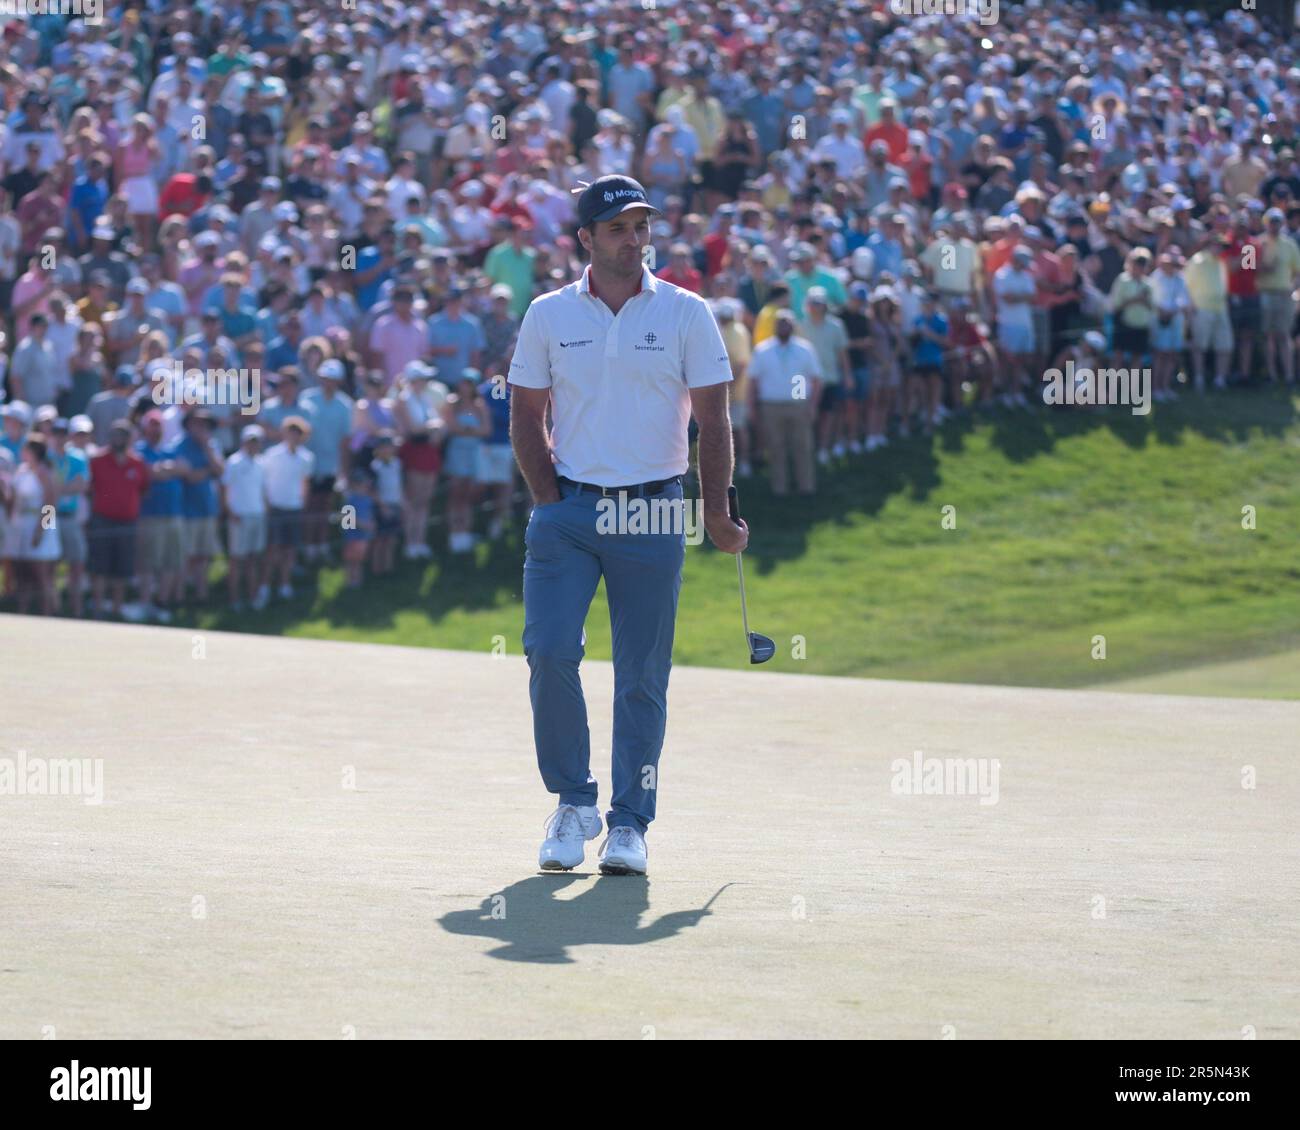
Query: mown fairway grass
<point x="1070" y="524"/>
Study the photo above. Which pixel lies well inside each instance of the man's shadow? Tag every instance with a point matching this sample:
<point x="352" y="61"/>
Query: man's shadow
<point x="533" y="925"/>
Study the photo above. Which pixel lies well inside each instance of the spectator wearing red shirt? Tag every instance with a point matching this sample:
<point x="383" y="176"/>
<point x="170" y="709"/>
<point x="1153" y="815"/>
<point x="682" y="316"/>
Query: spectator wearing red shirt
<point x="889" y="130"/>
<point x="1049" y="278"/>
<point x="118" y="481"/>
<point x="919" y="166"/>
<point x="680" y="271"/>
<point x="185" y="193"/>
<point x="38" y="211"/>
<point x="716" y="244"/>
<point x="1242" y="256"/>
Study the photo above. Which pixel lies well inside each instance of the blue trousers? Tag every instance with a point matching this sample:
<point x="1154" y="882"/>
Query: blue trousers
<point x="568" y="553"/>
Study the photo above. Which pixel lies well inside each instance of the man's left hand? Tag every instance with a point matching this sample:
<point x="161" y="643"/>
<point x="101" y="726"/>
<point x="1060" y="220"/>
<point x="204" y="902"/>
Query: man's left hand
<point x="728" y="536"/>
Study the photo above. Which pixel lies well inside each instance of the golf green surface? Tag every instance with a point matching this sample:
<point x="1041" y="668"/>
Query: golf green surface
<point x="1069" y="535"/>
<point x="303" y="838"/>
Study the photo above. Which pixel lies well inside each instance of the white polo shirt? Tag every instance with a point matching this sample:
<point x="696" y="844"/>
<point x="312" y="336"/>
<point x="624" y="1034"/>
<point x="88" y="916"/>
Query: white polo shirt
<point x="620" y="400"/>
<point x="245" y="481"/>
<point x="774" y="367"/>
<point x="285" y="471"/>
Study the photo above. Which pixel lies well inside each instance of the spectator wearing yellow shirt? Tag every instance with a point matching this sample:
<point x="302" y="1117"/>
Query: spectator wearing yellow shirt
<point x="96" y="304"/>
<point x="704" y="114"/>
<point x="739" y="350"/>
<point x="1132" y="301"/>
<point x="765" y="323"/>
<point x="1206" y="275"/>
<point x="774" y="187"/>
<point x="952" y="265"/>
<point x="1279" y="271"/>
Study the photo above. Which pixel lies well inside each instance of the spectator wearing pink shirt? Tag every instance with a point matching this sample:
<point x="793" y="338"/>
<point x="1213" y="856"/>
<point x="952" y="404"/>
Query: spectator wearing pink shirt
<point x="398" y="338"/>
<point x="198" y="275"/>
<point x="31" y="295"/>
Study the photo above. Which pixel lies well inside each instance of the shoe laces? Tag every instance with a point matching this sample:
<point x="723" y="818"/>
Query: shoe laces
<point x="620" y="837"/>
<point x="564" y="823"/>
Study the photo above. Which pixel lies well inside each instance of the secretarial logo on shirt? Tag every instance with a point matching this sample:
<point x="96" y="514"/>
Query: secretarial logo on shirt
<point x="649" y="346"/>
<point x="572" y="344"/>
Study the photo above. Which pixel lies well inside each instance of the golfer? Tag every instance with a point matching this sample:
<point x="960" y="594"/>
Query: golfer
<point x="622" y="359"/>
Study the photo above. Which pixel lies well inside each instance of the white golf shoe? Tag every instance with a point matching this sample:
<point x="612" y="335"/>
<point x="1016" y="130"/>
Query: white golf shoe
<point x="567" y="829"/>
<point x="623" y="852"/>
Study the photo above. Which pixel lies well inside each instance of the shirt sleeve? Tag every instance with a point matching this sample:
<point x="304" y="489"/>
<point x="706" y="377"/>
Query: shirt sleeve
<point x="704" y="354"/>
<point x="814" y="362"/>
<point x="530" y="367"/>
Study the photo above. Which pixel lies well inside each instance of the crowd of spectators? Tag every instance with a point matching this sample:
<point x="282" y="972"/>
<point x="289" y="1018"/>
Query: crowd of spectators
<point x="897" y="218"/>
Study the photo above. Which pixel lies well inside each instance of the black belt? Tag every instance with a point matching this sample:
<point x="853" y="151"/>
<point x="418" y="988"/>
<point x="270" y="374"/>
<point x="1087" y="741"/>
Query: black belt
<point x="639" y="489"/>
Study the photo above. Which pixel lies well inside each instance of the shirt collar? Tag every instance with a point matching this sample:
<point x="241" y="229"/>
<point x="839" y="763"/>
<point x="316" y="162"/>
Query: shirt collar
<point x="648" y="282"/>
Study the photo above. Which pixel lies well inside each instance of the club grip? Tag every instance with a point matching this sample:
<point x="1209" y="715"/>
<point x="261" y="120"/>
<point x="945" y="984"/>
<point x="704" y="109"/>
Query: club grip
<point x="733" y="503"/>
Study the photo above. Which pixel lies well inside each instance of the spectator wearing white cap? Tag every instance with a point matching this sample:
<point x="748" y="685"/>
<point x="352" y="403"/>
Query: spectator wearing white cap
<point x="1014" y="288"/>
<point x="1169" y="329"/>
<point x="847" y="151"/>
<point x="243" y="501"/>
<point x="1132" y="301"/>
<point x="500" y="328"/>
<point x="199" y="273"/>
<point x="805" y="273"/>
<point x="1206" y="275"/>
<point x="329" y="411"/>
<point x="287" y="468"/>
<point x="258" y="218"/>
<point x="126" y="329"/>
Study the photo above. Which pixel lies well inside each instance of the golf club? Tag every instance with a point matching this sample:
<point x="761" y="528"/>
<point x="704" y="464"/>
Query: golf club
<point x="761" y="649"/>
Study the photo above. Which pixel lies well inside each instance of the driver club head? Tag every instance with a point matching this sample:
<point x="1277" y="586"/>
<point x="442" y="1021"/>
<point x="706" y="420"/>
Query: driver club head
<point x="761" y="649"/>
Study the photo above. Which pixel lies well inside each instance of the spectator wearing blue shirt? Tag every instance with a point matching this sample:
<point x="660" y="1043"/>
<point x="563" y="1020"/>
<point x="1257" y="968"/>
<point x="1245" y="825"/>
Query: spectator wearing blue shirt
<point x="925" y="382"/>
<point x="456" y="339"/>
<point x="161" y="555"/>
<point x="282" y="350"/>
<point x="886" y="244"/>
<point x="496" y="459"/>
<point x="329" y="412"/>
<point x="238" y="321"/>
<point x="72" y="473"/>
<point x="85" y="203"/>
<point x="766" y="109"/>
<point x="201" y="465"/>
<point x="375" y="267"/>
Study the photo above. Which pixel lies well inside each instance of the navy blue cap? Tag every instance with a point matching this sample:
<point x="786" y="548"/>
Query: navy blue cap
<point x="607" y="197"/>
